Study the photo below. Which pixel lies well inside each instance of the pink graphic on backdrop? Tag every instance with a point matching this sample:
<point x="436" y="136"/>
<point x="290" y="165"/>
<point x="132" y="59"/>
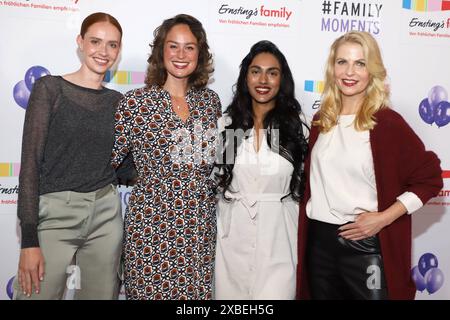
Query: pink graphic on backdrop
<point x="16" y="169"/>
<point x="138" y="77"/>
<point x="434" y="5"/>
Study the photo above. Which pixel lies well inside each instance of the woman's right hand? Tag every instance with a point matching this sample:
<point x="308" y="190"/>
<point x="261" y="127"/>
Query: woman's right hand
<point x="31" y="270"/>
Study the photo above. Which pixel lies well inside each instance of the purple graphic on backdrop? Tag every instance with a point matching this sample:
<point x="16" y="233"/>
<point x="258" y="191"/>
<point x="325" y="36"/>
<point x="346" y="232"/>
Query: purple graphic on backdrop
<point x="9" y="288"/>
<point x="418" y="279"/>
<point x="436" y="95"/>
<point x="434" y="279"/>
<point x="21" y="94"/>
<point x="435" y="108"/>
<point x="427" y="275"/>
<point x="33" y="74"/>
<point x="426" y="262"/>
<point x="442" y="114"/>
<point x="426" y="112"/>
<point x="22" y="89"/>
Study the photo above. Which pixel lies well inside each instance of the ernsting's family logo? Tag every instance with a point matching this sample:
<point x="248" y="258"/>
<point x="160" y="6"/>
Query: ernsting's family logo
<point x="429" y="24"/>
<point x="427" y="19"/>
<point x="261" y="11"/>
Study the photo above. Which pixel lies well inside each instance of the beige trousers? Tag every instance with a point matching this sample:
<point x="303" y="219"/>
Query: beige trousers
<point x="80" y="235"/>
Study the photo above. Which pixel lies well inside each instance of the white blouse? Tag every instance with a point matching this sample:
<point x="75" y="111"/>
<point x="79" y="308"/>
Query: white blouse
<point x="256" y="254"/>
<point x="342" y="177"/>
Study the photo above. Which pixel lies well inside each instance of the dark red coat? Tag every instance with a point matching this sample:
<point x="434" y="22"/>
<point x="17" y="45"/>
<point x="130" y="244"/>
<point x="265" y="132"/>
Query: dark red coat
<point x="401" y="164"/>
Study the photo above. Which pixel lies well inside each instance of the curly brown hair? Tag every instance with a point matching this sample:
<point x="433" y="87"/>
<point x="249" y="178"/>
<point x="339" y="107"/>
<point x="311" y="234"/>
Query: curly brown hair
<point x="156" y="72"/>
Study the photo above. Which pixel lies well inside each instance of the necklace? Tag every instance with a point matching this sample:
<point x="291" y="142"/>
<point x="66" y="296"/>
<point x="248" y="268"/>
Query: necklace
<point x="180" y="107"/>
<point x="175" y="102"/>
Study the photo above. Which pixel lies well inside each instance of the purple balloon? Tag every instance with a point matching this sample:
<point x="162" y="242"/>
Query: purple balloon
<point x="442" y="114"/>
<point x="426" y="112"/>
<point x="21" y="94"/>
<point x="34" y="73"/>
<point x="418" y="279"/>
<point x="9" y="288"/>
<point x="434" y="279"/>
<point x="426" y="262"/>
<point x="436" y="95"/>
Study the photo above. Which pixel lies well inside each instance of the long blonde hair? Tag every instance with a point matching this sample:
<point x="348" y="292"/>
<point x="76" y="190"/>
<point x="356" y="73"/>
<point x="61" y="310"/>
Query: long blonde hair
<point x="377" y="93"/>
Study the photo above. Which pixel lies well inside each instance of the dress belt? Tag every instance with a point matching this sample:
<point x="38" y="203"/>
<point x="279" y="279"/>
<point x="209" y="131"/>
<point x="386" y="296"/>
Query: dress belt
<point x="249" y="201"/>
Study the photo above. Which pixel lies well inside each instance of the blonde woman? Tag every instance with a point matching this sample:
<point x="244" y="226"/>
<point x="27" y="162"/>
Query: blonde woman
<point x="366" y="173"/>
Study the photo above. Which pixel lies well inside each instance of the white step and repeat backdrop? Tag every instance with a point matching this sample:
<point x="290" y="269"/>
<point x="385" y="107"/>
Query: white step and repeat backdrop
<point x="38" y="37"/>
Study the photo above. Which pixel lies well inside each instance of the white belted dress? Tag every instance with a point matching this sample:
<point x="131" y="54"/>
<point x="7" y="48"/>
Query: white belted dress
<point x="256" y="253"/>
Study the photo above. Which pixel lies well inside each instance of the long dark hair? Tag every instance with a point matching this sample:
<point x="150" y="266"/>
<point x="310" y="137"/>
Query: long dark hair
<point x="285" y="118"/>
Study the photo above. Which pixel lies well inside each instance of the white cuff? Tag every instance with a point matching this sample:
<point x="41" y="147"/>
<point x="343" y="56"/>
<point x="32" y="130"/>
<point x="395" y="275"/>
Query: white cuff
<point x="411" y="201"/>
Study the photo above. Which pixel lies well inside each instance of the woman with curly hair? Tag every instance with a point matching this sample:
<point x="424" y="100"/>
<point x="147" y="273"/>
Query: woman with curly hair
<point x="260" y="179"/>
<point x="168" y="126"/>
<point x="366" y="173"/>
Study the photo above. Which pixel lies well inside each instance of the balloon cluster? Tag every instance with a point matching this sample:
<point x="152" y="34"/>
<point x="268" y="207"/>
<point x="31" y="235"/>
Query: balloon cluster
<point x="427" y="275"/>
<point x="9" y="288"/>
<point x="435" y="108"/>
<point x="22" y="89"/>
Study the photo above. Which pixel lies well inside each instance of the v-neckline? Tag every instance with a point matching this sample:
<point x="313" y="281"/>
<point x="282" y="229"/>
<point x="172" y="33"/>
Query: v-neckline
<point x="172" y="112"/>
<point x="176" y="115"/>
<point x="254" y="136"/>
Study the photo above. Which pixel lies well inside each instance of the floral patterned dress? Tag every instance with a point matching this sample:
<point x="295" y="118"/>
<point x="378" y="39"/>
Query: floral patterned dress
<point x="170" y="225"/>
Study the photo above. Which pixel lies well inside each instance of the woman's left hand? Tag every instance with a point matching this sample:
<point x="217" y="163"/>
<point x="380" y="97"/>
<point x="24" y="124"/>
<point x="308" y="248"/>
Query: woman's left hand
<point x="366" y="224"/>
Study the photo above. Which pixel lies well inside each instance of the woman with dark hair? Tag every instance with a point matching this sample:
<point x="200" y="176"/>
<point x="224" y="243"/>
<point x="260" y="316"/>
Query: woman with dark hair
<point x="260" y="178"/>
<point x="169" y="128"/>
<point x="69" y="208"/>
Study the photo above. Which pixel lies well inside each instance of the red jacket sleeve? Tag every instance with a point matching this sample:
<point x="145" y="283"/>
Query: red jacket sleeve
<point x="422" y="173"/>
